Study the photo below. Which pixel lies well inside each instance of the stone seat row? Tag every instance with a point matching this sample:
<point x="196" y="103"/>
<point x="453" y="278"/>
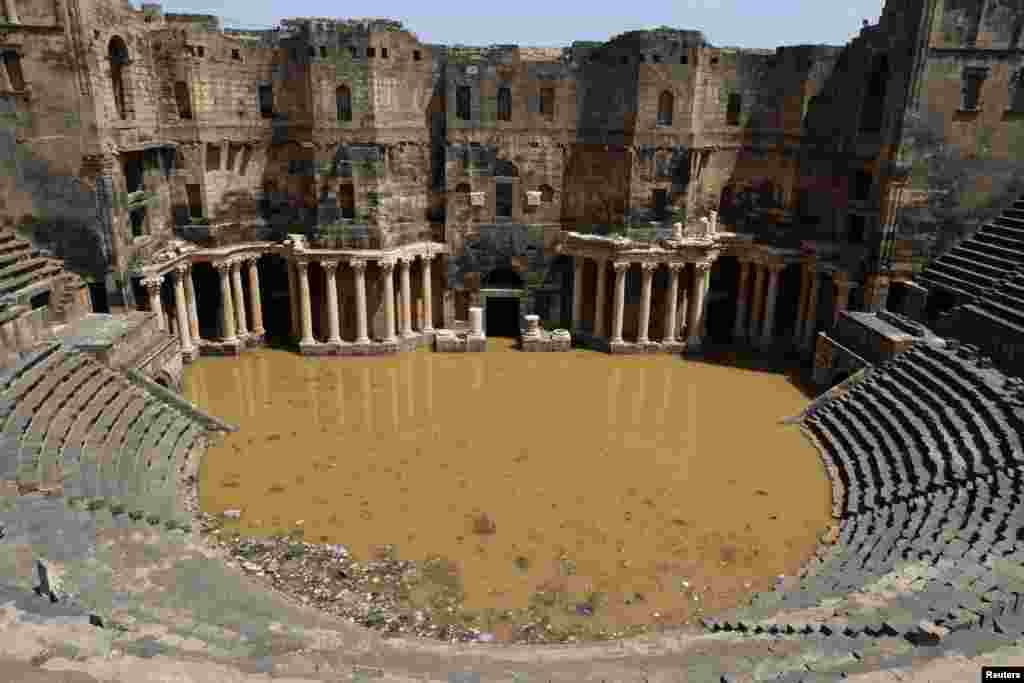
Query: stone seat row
<point x="67" y="417"/>
<point x="946" y="547"/>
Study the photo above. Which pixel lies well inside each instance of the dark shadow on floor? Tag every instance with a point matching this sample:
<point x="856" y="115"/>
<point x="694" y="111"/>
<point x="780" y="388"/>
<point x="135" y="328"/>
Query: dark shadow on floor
<point x="780" y="362"/>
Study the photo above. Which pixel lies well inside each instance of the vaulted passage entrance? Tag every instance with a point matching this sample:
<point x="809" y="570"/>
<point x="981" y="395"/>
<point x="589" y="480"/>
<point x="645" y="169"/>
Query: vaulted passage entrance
<point x="501" y="317"/>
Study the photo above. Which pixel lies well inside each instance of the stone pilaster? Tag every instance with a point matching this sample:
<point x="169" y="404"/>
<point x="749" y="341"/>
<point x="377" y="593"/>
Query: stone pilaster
<point x="387" y="272"/>
<point x="843" y="286"/>
<point x="739" y="327"/>
<point x="152" y="285"/>
<point x="768" y="330"/>
<point x="756" y="301"/>
<point x="695" y="325"/>
<point x="577" y="292"/>
<point x="671" y="303"/>
<point x="294" y="299"/>
<point x="255" y="302"/>
<point x="600" y="297"/>
<point x="236" y="281"/>
<point x="805" y="286"/>
<point x="227" y="308"/>
<point x="331" y="283"/>
<point x="811" y="321"/>
<point x="405" y="264"/>
<point x="643" y="322"/>
<point x="359" y="269"/>
<point x="621" y="267"/>
<point x="193" y="310"/>
<point x="428" y="297"/>
<point x="181" y="310"/>
<point x="305" y="305"/>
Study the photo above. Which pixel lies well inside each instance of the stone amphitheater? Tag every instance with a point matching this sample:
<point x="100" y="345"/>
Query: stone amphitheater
<point x="106" y="570"/>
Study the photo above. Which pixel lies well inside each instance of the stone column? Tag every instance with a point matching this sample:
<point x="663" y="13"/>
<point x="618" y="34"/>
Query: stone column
<point x="225" y="147"/>
<point x="842" y="300"/>
<point x="193" y="313"/>
<point x="305" y="306"/>
<point x="769" y="304"/>
<point x="577" y="292"/>
<point x="643" y="322"/>
<point x="181" y="310"/>
<point x="405" y="263"/>
<point x="255" y="304"/>
<point x="227" y="310"/>
<point x="387" y="267"/>
<point x="428" y="296"/>
<point x="672" y="302"/>
<point x="756" y="301"/>
<point x="532" y="326"/>
<point x="695" y="325"/>
<point x="152" y="285"/>
<point x="294" y="298"/>
<point x="476" y="321"/>
<point x="236" y="281"/>
<point x="805" y="282"/>
<point x="331" y="283"/>
<point x="620" y="300"/>
<point x="359" y="268"/>
<point x="602" y="293"/>
<point x="740" y="326"/>
<point x="811" y="322"/>
<point x="876" y="292"/>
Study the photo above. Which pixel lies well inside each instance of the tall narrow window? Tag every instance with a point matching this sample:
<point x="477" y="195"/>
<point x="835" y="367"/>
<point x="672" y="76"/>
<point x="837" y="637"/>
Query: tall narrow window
<point x="660" y="204"/>
<point x="973" y="78"/>
<point x="195" y="200"/>
<point x="666" y="103"/>
<point x="183" y="99"/>
<point x="267" y="101"/>
<point x="117" y="53"/>
<point x="732" y="114"/>
<point x="246" y="158"/>
<point x="504" y="192"/>
<point x="347" y="200"/>
<point x="462" y="106"/>
<point x="1017" y="91"/>
<point x="12" y="64"/>
<point x="343" y="100"/>
<point x="547" y="102"/>
<point x="504" y="104"/>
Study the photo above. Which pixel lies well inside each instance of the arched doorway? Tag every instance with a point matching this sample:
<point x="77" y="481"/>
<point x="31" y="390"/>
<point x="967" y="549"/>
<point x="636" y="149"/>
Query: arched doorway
<point x="117" y="53"/>
<point x="500" y="295"/>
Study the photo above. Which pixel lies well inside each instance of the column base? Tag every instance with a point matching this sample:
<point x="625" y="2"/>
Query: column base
<point x="223" y="347"/>
<point x="694" y="344"/>
<point x="190" y="354"/>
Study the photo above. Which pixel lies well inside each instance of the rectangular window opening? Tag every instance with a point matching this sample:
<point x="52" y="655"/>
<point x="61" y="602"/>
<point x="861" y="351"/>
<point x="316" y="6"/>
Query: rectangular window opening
<point x="732" y="116"/>
<point x="183" y="99"/>
<point x="195" y="200"/>
<point x="547" y="102"/>
<point x="266" y="95"/>
<point x="236" y="55"/>
<point x="416" y="55"/>
<point x="462" y="103"/>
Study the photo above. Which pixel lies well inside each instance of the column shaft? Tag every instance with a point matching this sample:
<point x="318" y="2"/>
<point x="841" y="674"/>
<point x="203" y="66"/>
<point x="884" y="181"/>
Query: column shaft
<point x="359" y="268"/>
<point x="742" y="295"/>
<point x="671" y="303"/>
<point x="330" y="282"/>
<point x="756" y="302"/>
<point x="769" y="306"/>
<point x="152" y="286"/>
<point x="193" y="313"/>
<point x="798" y="331"/>
<point x="227" y="309"/>
<point x="695" y="324"/>
<point x="600" y="303"/>
<point x="294" y="298"/>
<point x="811" y="322"/>
<point x="620" y="301"/>
<point x="255" y="303"/>
<point x="236" y="281"/>
<point x="305" y="305"/>
<point x="387" y="276"/>
<point x="644" y="320"/>
<point x="577" y="292"/>
<point x="428" y="300"/>
<point x="842" y="301"/>
<point x="405" y="265"/>
<point x="181" y="310"/>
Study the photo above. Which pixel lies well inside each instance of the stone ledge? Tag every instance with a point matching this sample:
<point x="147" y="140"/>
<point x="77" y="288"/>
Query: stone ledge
<point x="446" y="341"/>
<point x="545" y="341"/>
<point x="373" y="348"/>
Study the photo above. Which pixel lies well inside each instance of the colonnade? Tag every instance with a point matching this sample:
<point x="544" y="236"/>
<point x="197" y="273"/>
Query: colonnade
<point x="235" y="318"/>
<point x="697" y="288"/>
<point x="402" y="324"/>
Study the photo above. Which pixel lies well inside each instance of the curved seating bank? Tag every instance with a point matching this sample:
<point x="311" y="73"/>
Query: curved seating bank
<point x="924" y="452"/>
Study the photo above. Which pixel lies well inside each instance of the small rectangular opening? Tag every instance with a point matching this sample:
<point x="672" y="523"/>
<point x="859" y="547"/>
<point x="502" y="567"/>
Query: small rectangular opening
<point x="266" y="101"/>
<point x="371" y="52"/>
<point x="347" y="200"/>
<point x="462" y="103"/>
<point x="504" y="197"/>
<point x="732" y="116"/>
<point x="39" y="300"/>
<point x="212" y="156"/>
<point x="660" y="197"/>
<point x="195" y="200"/>
<point x="353" y="51"/>
<point x="246" y="157"/>
<point x="547" y="102"/>
<point x="200" y="51"/>
<point x="183" y="99"/>
<point x="683" y="59"/>
<point x="323" y="51"/>
<point x="416" y="55"/>
<point x="236" y="55"/>
<point x="384" y="53"/>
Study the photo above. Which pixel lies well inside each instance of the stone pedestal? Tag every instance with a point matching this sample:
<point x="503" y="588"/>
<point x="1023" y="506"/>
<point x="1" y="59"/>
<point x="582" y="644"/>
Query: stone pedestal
<point x="476" y="321"/>
<point x="532" y="326"/>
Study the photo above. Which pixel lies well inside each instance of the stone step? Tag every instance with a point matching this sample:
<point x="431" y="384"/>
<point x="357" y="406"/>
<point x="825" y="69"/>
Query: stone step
<point x="967" y="250"/>
<point x="23" y="266"/>
<point x="966" y="276"/>
<point x="993" y="272"/>
<point x="32" y="360"/>
<point x="37" y="275"/>
<point x="988" y="237"/>
<point x="938" y="280"/>
<point x="1008" y="253"/>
